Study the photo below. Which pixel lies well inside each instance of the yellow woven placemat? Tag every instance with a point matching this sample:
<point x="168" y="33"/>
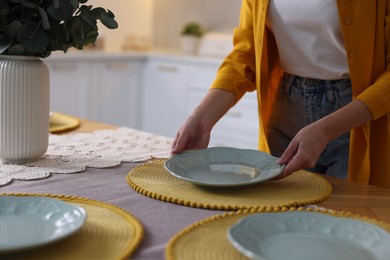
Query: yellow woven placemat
<point x="207" y="239"/>
<point x="108" y="233"/>
<point x="61" y="122"/>
<point x="301" y="188"/>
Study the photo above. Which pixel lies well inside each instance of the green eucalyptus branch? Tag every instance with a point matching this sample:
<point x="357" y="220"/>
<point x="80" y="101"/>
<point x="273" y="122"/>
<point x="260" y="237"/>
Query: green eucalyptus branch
<point x="38" y="27"/>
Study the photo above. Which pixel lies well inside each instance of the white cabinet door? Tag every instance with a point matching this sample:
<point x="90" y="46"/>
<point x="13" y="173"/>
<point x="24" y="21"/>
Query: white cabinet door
<point x="69" y="83"/>
<point x="164" y="97"/>
<point x="115" y="92"/>
<point x="239" y="126"/>
<point x="105" y="91"/>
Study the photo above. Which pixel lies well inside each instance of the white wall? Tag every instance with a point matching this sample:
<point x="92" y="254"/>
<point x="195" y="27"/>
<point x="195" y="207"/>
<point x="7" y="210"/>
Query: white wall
<point x="171" y="15"/>
<point x="134" y="18"/>
<point x="162" y="20"/>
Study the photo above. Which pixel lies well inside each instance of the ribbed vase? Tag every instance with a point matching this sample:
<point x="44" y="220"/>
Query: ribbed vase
<point x="24" y="108"/>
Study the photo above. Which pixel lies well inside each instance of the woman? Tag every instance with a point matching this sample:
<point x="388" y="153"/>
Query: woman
<point x="284" y="50"/>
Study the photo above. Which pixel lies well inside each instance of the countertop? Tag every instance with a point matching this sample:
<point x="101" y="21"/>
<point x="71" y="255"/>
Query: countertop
<point x="133" y="55"/>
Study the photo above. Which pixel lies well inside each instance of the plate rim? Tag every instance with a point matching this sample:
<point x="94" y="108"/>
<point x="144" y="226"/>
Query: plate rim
<point x="236" y="184"/>
<point x="247" y="252"/>
<point x="44" y="240"/>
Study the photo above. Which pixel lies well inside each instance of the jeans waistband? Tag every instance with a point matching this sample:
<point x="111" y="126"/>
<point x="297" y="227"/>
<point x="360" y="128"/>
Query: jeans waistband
<point x="313" y="81"/>
<point x="312" y="85"/>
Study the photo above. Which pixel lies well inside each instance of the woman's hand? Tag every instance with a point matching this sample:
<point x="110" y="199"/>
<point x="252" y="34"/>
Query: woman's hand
<point x="195" y="132"/>
<point x="306" y="147"/>
<point x="191" y="135"/>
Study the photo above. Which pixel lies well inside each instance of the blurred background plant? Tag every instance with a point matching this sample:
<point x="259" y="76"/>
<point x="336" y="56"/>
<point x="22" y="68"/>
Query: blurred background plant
<point x="193" y="29"/>
<point x="38" y="27"/>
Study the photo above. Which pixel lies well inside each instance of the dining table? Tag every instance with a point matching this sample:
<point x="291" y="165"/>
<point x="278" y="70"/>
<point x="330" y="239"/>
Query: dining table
<point x="160" y="219"/>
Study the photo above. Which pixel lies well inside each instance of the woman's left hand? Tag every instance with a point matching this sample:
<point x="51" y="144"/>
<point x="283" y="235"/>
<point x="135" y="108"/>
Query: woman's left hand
<point x="304" y="149"/>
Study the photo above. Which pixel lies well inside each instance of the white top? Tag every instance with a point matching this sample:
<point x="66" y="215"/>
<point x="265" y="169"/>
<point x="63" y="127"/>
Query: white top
<point x="309" y="38"/>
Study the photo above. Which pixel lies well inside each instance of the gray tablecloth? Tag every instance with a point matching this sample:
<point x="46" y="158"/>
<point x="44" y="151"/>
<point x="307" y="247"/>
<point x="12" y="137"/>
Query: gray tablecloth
<point x="161" y="220"/>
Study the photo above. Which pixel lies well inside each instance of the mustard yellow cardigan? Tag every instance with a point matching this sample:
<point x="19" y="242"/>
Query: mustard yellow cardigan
<point x="366" y="29"/>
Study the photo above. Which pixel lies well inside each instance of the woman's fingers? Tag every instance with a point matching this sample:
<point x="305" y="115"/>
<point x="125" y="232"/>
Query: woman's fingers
<point x="289" y="153"/>
<point x="177" y="145"/>
<point x="303" y="151"/>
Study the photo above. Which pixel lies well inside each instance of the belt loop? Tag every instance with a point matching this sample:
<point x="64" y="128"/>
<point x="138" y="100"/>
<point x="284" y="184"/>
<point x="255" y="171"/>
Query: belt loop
<point x="329" y="90"/>
<point x="292" y="81"/>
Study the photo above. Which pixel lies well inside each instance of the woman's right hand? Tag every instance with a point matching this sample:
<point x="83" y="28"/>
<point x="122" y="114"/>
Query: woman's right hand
<point x="191" y="135"/>
<point x="195" y="132"/>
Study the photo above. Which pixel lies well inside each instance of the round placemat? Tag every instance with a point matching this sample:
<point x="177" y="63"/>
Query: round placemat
<point x="301" y="188"/>
<point x="207" y="239"/>
<point x="108" y="233"/>
<point x="61" y="122"/>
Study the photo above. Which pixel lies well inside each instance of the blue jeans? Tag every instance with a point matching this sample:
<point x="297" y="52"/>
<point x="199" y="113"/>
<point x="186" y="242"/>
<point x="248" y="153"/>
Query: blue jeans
<point x="301" y="101"/>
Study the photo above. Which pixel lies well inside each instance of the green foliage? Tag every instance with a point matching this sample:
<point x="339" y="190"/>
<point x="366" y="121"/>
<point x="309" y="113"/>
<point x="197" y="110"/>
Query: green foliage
<point x="38" y="27"/>
<point x="193" y="28"/>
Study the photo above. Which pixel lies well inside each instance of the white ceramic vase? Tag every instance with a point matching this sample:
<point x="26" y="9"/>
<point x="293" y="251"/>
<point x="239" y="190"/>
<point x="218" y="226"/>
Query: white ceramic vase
<point x="24" y="108"/>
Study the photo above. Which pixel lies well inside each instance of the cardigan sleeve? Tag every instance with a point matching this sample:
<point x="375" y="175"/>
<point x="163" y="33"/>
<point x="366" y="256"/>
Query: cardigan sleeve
<point x="377" y="96"/>
<point x="237" y="72"/>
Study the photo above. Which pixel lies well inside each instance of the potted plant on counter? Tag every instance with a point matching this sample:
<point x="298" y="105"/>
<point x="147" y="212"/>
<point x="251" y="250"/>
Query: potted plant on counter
<point x="190" y="36"/>
<point x="29" y="31"/>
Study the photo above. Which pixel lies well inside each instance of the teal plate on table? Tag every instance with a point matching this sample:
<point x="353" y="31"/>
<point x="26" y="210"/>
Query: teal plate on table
<point x="223" y="166"/>
<point x="299" y="235"/>
<point x="33" y="221"/>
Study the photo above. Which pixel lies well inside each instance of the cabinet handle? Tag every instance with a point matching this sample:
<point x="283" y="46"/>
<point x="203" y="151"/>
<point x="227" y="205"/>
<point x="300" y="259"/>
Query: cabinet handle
<point x="167" y="68"/>
<point x="116" y="66"/>
<point x="63" y="67"/>
<point x="234" y="114"/>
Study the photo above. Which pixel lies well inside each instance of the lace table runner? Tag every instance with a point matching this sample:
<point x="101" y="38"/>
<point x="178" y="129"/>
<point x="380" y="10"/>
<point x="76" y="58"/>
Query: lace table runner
<point x="72" y="153"/>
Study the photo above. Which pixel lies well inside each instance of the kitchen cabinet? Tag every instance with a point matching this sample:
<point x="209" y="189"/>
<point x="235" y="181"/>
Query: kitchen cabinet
<point x="69" y="87"/>
<point x="239" y="126"/>
<point x="148" y="91"/>
<point x="103" y="90"/>
<point x="164" y="96"/>
<point x="116" y="93"/>
<point x="174" y="87"/>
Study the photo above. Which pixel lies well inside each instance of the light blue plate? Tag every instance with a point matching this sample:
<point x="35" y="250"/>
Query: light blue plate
<point x="299" y="235"/>
<point x="223" y="166"/>
<point x="33" y="221"/>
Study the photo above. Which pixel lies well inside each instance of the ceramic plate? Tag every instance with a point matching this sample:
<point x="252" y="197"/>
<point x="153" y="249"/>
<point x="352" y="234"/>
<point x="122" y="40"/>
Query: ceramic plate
<point x="223" y="166"/>
<point x="300" y="235"/>
<point x="31" y="221"/>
